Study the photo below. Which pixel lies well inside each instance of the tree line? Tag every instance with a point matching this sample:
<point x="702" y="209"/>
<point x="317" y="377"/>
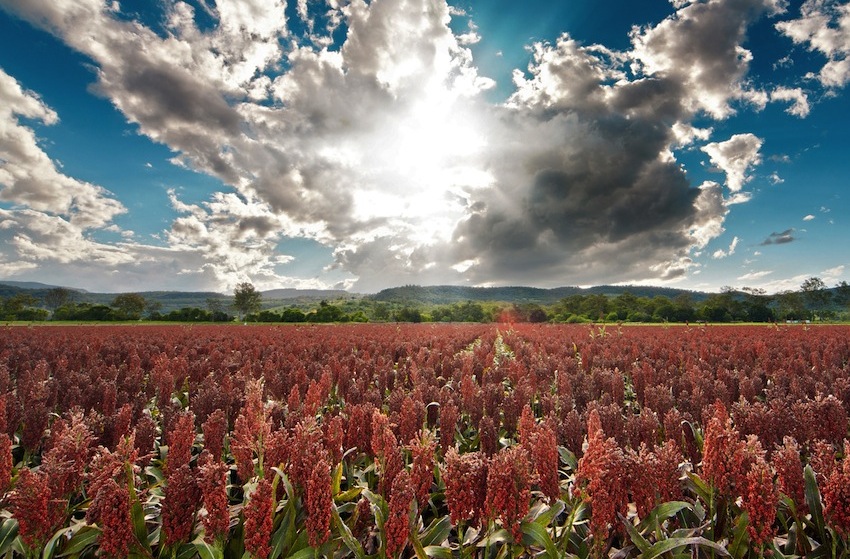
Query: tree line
<point x="812" y="302"/>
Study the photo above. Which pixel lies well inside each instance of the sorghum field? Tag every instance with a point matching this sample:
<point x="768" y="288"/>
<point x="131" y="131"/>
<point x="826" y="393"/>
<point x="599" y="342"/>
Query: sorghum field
<point x="424" y="440"/>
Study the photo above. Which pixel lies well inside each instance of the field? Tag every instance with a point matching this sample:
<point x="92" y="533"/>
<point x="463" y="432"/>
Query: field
<point x="385" y="440"/>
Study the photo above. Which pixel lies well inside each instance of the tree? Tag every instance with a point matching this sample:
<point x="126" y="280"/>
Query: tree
<point x="58" y="297"/>
<point x="815" y="294"/>
<point x="246" y="299"/>
<point x="790" y="306"/>
<point x="129" y="305"/>
<point x="757" y="304"/>
<point x="842" y="293"/>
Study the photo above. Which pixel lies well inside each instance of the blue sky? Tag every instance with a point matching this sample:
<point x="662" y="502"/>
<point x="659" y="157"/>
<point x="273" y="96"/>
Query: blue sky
<point x="194" y="145"/>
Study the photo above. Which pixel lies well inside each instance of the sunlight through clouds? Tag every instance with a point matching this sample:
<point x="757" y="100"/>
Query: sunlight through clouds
<point x="369" y="128"/>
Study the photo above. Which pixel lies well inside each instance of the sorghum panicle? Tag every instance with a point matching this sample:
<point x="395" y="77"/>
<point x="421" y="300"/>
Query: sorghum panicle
<point x="836" y="495"/>
<point x="465" y="476"/>
<point x="318" y="503"/>
<point x="215" y="429"/>
<point x="422" y="469"/>
<point x="5" y="462"/>
<point x="448" y="423"/>
<point x="213" y="486"/>
<point x="543" y="449"/>
<point x="603" y="481"/>
<point x="110" y="509"/>
<point x="179" y="505"/>
<point x="760" y="499"/>
<point x="180" y="440"/>
<point x="259" y="520"/>
<point x="509" y="479"/>
<point x="397" y="526"/>
<point x="30" y="503"/>
<point x="789" y="473"/>
<point x="488" y="436"/>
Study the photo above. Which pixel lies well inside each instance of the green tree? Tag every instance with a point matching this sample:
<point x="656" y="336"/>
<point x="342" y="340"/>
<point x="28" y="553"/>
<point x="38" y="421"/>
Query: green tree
<point x="215" y="306"/>
<point x="757" y="304"/>
<point x="58" y="297"/>
<point x="129" y="306"/>
<point x="246" y="299"/>
<point x="791" y="306"/>
<point x="815" y="294"/>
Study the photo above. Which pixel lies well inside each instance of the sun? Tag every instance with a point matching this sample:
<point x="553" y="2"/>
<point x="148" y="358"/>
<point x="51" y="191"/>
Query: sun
<point x="421" y="163"/>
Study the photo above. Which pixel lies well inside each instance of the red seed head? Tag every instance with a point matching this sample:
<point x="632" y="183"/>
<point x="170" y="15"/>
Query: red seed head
<point x="397" y="526"/>
<point x="213" y="486"/>
<point x="465" y="476"/>
<point x="509" y="479"/>
<point x="259" y="520"/>
<point x="318" y="503"/>
<point x="179" y="505"/>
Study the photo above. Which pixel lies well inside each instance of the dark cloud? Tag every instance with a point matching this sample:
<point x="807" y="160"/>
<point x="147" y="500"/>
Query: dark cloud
<point x="782" y="238"/>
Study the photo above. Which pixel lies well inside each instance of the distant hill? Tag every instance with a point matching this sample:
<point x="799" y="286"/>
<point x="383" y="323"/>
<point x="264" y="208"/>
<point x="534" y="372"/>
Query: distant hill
<point x="449" y="294"/>
<point x="35" y="285"/>
<point x="305" y="294"/>
<point x="175" y="300"/>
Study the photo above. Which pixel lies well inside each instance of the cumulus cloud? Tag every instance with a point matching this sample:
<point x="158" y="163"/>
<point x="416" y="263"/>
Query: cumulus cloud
<point x="796" y="96"/>
<point x="824" y="26"/>
<point x="700" y="46"/>
<point x="809" y="217"/>
<point x="720" y="253"/>
<point x="384" y="149"/>
<point x="28" y="176"/>
<point x="735" y="157"/>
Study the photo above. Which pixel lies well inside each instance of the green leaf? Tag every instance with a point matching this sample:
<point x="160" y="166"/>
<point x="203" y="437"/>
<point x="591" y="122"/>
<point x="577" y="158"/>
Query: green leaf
<point x="336" y="479"/>
<point x="670" y="544"/>
<point x="349" y="495"/>
<point x="437" y="532"/>
<point x="137" y="513"/>
<point x="813" y="500"/>
<point x="84" y="538"/>
<point x="551" y="513"/>
<point x="535" y="534"/>
<point x="700" y="487"/>
<point x="306" y="553"/>
<point x="187" y="551"/>
<point x="345" y="533"/>
<point x="284" y="537"/>
<point x="8" y="533"/>
<point x="568" y="457"/>
<point x="50" y="547"/>
<point x="640" y="542"/>
<point x="499" y="536"/>
<point x="207" y="551"/>
<point x="438" y="552"/>
<point x="740" y="537"/>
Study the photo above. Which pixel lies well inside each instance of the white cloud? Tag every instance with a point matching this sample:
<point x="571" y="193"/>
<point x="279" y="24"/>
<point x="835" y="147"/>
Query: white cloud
<point x="755" y="275"/>
<point x="30" y="178"/>
<point x="701" y="46"/>
<point x="775" y="178"/>
<point x="796" y="96"/>
<point x="735" y="157"/>
<point x="824" y="26"/>
<point x="809" y="217"/>
<point x="720" y="253"/>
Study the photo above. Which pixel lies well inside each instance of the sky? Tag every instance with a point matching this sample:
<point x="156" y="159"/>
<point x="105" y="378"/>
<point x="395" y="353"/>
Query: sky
<point x="197" y="144"/>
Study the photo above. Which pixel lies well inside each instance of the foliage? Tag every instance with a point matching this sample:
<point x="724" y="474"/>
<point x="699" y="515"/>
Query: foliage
<point x="129" y="306"/>
<point x="246" y="299"/>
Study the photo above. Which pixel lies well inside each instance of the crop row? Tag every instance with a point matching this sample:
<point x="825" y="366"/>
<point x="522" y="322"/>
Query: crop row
<point x="424" y="440"/>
